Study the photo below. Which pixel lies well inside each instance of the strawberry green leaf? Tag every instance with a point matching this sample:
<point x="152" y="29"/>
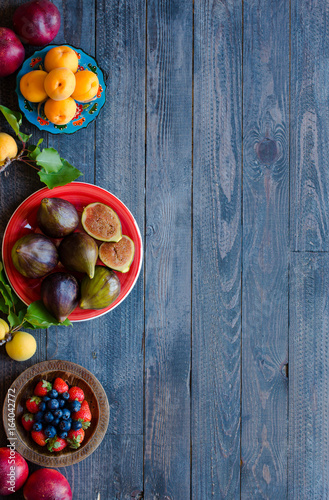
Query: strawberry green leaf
<point x="49" y="160"/>
<point x="15" y="121"/>
<point x="66" y="174"/>
<point x="38" y="317"/>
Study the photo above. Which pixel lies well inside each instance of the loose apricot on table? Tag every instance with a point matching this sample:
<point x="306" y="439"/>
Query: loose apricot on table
<point x="22" y="347"/>
<point x="32" y="86"/>
<point x="86" y="86"/>
<point x="60" y="112"/>
<point x="59" y="84"/>
<point x="61" y="57"/>
<point x="8" y="147"/>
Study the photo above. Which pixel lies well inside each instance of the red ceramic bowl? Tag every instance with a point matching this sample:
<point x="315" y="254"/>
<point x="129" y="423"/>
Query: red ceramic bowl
<point x="80" y="194"/>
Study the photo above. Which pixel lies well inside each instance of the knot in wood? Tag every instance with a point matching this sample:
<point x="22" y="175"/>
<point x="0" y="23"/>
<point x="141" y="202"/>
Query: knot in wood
<point x="267" y="151"/>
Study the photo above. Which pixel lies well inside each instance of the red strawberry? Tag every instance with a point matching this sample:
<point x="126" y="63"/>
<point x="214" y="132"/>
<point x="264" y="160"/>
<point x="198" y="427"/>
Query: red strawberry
<point x="39" y="437"/>
<point x="42" y="388"/>
<point x="76" y="394"/>
<point x="32" y="404"/>
<point x="75" y="438"/>
<point x="28" y="421"/>
<point x="60" y="385"/>
<point x="83" y="415"/>
<point x="56" y="444"/>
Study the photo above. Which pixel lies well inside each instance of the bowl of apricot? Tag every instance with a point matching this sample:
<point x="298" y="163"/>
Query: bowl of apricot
<point x="60" y="89"/>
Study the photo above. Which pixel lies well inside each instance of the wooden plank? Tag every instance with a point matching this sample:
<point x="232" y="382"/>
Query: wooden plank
<point x="78" y="344"/>
<point x="216" y="272"/>
<point x="168" y="250"/>
<point x="16" y="184"/>
<point x="265" y="242"/>
<point x="120" y="168"/>
<point x="309" y="377"/>
<point x="309" y="126"/>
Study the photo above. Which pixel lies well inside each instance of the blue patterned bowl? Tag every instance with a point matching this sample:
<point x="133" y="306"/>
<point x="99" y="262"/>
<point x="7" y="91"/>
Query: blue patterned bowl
<point x="86" y="112"/>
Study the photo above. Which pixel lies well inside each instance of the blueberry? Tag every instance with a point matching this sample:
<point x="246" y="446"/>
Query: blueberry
<point x="53" y="404"/>
<point x="48" y="417"/>
<point x="64" y="426"/>
<point x="37" y="426"/>
<point x="65" y="396"/>
<point x="42" y="406"/>
<point x="38" y="416"/>
<point x="66" y="414"/>
<point x="61" y="403"/>
<point x="76" y="425"/>
<point x="75" y="406"/>
<point x="62" y="434"/>
<point x="45" y="398"/>
<point x="50" y="431"/>
<point x="58" y="413"/>
<point x="55" y="422"/>
<point x="53" y="394"/>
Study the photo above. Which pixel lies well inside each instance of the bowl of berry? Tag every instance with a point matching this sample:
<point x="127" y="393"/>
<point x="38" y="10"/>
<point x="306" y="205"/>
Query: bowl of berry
<point x="56" y="413"/>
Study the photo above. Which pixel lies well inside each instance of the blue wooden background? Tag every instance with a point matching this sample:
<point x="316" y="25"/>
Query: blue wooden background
<point x="215" y="134"/>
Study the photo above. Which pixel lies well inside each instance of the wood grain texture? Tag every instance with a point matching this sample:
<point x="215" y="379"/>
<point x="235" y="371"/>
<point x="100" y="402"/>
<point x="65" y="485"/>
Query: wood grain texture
<point x="309" y="126"/>
<point x="16" y="184"/>
<point x="265" y="255"/>
<point x="309" y="377"/>
<point x="216" y="342"/>
<point x="168" y="250"/>
<point x="78" y="343"/>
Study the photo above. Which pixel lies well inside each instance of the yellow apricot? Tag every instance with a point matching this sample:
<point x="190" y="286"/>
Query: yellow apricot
<point x="32" y="86"/>
<point x="61" y="57"/>
<point x="21" y="347"/>
<point x="86" y="86"/>
<point x="60" y="112"/>
<point x="59" y="84"/>
<point x="8" y="147"/>
<point x="4" y="328"/>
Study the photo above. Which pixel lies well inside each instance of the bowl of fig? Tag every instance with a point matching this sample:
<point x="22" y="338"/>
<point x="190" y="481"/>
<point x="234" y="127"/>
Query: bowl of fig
<point x="60" y="413"/>
<point x="78" y="250"/>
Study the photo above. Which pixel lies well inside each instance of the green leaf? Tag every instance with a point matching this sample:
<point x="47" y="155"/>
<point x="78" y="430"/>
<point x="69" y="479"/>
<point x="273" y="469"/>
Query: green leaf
<point x="14" y="118"/>
<point x="14" y="319"/>
<point x="3" y="307"/>
<point x="49" y="160"/>
<point x="66" y="174"/>
<point x="34" y="151"/>
<point x="38" y="316"/>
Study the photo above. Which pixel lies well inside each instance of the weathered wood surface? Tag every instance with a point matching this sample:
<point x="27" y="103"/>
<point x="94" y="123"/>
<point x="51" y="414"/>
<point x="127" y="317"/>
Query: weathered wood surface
<point x="168" y="250"/>
<point x="265" y="249"/>
<point x="216" y="343"/>
<point x="309" y="220"/>
<point x="308" y="374"/>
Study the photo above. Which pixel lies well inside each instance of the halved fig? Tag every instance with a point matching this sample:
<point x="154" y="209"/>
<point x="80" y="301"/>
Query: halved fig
<point x="101" y="222"/>
<point x="118" y="256"/>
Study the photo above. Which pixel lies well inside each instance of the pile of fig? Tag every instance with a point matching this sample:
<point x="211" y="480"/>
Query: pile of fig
<point x="77" y="249"/>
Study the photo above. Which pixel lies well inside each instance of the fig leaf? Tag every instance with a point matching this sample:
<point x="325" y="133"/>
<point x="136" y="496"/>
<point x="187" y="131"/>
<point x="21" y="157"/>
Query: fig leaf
<point x="15" y="121"/>
<point x="66" y="174"/>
